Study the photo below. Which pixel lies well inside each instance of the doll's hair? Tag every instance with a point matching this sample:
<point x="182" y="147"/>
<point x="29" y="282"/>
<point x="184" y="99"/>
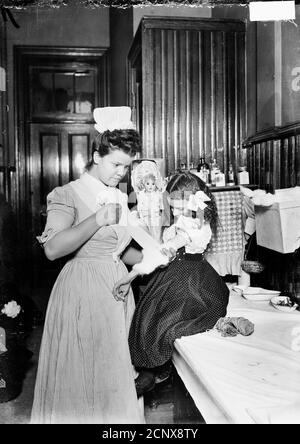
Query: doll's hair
<point x="127" y="141"/>
<point x="184" y="182"/>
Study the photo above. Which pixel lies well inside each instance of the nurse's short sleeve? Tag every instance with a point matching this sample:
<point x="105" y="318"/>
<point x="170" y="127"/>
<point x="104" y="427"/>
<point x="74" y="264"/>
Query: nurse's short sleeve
<point x="60" y="199"/>
<point x="60" y="213"/>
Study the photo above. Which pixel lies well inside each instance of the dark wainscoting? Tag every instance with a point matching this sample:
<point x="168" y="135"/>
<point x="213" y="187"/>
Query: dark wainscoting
<point x="273" y="160"/>
<point x="273" y="157"/>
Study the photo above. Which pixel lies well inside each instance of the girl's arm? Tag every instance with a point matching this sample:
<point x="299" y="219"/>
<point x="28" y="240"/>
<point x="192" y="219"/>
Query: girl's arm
<point x="177" y="242"/>
<point x="122" y="287"/>
<point x="132" y="256"/>
<point x="69" y="238"/>
<point x="194" y="238"/>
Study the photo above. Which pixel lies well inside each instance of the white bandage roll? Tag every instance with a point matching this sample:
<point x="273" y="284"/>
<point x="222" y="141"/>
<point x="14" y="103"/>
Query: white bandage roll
<point x="151" y="260"/>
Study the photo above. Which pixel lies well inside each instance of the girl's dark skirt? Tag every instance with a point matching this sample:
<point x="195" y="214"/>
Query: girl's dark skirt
<point x="183" y="299"/>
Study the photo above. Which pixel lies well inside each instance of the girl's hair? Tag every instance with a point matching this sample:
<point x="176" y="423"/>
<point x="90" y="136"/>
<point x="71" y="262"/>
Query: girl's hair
<point x="126" y="140"/>
<point x="184" y="182"/>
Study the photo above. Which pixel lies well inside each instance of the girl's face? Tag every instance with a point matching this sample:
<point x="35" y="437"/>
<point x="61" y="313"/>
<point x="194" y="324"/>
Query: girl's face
<point x="149" y="185"/>
<point x="180" y="203"/>
<point x="111" y="168"/>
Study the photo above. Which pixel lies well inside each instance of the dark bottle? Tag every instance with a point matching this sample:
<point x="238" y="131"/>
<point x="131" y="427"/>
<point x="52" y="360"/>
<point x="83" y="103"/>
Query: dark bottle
<point x="202" y="164"/>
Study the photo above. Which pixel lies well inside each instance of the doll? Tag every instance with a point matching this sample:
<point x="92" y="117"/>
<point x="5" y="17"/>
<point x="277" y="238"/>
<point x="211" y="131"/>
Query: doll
<point x="148" y="185"/>
<point x="150" y="202"/>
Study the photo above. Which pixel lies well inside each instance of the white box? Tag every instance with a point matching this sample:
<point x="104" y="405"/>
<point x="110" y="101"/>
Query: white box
<point x="278" y="226"/>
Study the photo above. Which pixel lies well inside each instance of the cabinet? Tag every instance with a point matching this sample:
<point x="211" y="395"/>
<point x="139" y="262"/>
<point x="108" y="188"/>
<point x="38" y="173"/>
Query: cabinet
<point x="186" y="87"/>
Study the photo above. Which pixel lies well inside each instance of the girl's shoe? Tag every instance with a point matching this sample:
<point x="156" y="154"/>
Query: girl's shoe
<point x="144" y="382"/>
<point x="163" y="374"/>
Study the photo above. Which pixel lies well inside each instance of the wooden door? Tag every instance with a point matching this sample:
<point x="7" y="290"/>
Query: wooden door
<point x="56" y="131"/>
<point x="58" y="154"/>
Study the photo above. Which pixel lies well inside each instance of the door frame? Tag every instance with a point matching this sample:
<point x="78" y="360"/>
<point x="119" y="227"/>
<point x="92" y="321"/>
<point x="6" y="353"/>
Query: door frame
<point x="23" y="56"/>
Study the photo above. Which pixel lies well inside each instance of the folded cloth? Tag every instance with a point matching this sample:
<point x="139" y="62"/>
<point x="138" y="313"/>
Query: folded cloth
<point x="232" y="326"/>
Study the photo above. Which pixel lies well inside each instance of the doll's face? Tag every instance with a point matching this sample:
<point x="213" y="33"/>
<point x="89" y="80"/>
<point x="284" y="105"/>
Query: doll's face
<point x="149" y="185"/>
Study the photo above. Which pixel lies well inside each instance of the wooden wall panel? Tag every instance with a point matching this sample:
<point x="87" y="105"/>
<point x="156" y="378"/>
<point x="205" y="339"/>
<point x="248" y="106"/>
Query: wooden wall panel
<point x="209" y="149"/>
<point x="219" y="73"/>
<point x="273" y="158"/>
<point x="193" y="102"/>
<point x="79" y="152"/>
<point x="7" y="167"/>
<point x="50" y="155"/>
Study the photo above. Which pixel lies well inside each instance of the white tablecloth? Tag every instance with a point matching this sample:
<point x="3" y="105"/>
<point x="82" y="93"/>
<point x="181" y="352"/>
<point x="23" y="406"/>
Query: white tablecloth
<point x="254" y="379"/>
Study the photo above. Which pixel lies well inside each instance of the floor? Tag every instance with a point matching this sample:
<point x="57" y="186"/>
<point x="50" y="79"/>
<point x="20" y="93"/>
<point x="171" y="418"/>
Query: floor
<point x="168" y="403"/>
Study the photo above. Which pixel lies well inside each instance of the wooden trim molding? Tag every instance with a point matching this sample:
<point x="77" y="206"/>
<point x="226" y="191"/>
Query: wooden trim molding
<point x="61" y="51"/>
<point x="193" y="24"/>
<point x="277" y="132"/>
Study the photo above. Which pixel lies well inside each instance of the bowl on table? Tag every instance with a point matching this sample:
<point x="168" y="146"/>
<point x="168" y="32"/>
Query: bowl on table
<point x="259" y="294"/>
<point x="283" y="303"/>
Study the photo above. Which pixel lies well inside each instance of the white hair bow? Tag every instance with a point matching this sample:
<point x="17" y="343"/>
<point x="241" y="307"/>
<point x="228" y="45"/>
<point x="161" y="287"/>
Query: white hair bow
<point x="112" y="118"/>
<point x="197" y="201"/>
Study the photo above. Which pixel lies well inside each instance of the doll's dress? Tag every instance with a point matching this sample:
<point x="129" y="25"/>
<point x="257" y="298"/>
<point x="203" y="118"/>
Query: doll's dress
<point x="149" y="207"/>
<point x="85" y="373"/>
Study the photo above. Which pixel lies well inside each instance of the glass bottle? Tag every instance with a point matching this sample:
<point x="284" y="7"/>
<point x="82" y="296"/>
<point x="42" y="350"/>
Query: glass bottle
<point x="243" y="176"/>
<point x="214" y="170"/>
<point x="231" y="181"/>
<point x="200" y="164"/>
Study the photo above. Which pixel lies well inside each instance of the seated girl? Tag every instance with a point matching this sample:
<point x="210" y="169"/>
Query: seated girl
<point x="187" y="296"/>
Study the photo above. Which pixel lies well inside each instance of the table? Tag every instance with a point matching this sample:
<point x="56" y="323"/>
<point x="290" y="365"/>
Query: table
<point x="245" y="380"/>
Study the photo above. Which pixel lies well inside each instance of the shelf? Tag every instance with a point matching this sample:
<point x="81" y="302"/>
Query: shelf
<point x="233" y="188"/>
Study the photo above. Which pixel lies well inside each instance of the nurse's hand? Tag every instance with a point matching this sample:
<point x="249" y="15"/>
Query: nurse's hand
<point x="121" y="289"/>
<point x="109" y="214"/>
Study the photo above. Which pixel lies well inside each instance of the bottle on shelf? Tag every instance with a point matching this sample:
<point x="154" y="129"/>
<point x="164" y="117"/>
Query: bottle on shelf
<point x="214" y="171"/>
<point x="193" y="168"/>
<point x="201" y="164"/>
<point x="243" y="176"/>
<point x="203" y="170"/>
<point x="220" y="179"/>
<point x="204" y="174"/>
<point x="231" y="181"/>
<point x="183" y="164"/>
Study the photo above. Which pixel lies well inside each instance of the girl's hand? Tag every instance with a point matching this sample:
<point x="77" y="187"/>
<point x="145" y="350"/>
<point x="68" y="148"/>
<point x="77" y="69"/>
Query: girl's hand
<point x="109" y="214"/>
<point x="121" y="289"/>
<point x="169" y="252"/>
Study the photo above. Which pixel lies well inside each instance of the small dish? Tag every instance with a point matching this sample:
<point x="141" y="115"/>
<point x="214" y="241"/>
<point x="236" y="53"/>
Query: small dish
<point x="259" y="294"/>
<point x="283" y="303"/>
